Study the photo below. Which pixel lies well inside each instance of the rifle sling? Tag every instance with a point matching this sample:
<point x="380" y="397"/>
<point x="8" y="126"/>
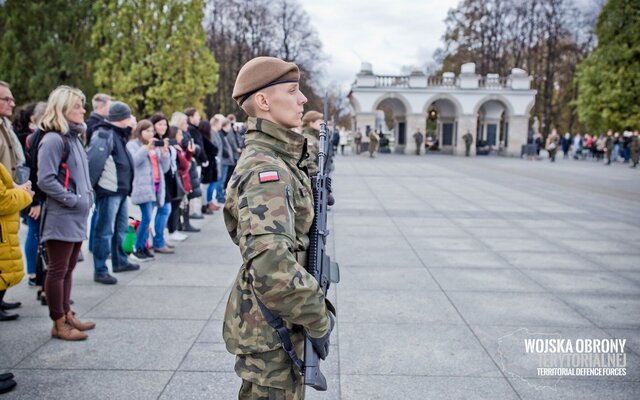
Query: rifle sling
<point x="277" y="324"/>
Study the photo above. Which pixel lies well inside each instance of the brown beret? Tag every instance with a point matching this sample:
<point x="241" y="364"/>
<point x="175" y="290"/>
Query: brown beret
<point x="311" y="116"/>
<point x="260" y="73"/>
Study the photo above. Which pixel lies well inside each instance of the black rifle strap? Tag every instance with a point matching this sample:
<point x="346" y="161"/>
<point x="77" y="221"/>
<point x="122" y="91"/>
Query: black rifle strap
<point x="277" y="323"/>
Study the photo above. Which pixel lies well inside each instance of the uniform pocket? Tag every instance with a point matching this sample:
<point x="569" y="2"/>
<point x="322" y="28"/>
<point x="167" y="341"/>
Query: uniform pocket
<point x="275" y="217"/>
<point x="245" y="330"/>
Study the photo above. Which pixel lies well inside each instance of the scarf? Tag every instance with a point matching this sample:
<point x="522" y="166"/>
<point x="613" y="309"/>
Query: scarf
<point x="155" y="168"/>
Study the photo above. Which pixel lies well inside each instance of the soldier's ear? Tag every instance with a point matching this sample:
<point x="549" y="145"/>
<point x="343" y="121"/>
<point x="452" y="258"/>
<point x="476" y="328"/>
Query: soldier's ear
<point x="261" y="101"/>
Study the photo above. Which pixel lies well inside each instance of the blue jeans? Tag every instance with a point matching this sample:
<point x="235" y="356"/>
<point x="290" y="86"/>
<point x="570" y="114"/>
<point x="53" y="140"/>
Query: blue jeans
<point x="31" y="244"/>
<point x="212" y="186"/>
<point x="92" y="229"/>
<point x="162" y="216"/>
<point x="220" y="184"/>
<point x="616" y="152"/>
<point x="112" y="222"/>
<point x="146" y="209"/>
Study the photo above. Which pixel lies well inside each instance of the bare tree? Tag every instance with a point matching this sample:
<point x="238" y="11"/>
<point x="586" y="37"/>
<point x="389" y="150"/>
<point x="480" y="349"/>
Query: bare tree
<point x="239" y="31"/>
<point x="548" y="38"/>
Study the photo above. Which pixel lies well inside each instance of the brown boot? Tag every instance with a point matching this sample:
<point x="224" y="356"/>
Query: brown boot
<point x="213" y="207"/>
<point x="79" y="325"/>
<point x="64" y="331"/>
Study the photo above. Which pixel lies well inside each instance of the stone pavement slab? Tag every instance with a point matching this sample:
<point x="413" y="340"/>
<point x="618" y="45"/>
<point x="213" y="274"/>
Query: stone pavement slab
<point x="442" y="258"/>
<point x="76" y="384"/>
<point x="410" y="387"/>
<point x="412" y="349"/>
<point x="121" y="344"/>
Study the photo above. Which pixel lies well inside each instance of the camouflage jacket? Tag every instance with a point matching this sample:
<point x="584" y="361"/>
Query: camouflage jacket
<point x="313" y="148"/>
<point x="635" y="143"/>
<point x="268" y="214"/>
<point x="418" y="137"/>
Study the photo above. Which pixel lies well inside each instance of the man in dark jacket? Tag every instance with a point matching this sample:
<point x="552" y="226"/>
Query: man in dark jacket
<point x="101" y="103"/>
<point x="111" y="173"/>
<point x="193" y="119"/>
<point x="201" y="160"/>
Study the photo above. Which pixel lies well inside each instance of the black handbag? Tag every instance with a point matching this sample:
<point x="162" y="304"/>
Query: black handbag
<point x="196" y="190"/>
<point x="42" y="259"/>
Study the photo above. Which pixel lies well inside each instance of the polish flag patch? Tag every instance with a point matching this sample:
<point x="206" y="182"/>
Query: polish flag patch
<point x="268" y="176"/>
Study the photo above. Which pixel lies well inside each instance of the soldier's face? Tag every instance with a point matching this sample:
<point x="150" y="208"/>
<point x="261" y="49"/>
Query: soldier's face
<point x="286" y="104"/>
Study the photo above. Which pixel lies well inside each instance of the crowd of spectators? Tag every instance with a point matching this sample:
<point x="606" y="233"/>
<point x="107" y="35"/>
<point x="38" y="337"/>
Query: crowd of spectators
<point x="610" y="147"/>
<point x="69" y="179"/>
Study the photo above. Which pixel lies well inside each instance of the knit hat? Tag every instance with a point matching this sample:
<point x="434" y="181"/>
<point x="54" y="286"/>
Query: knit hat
<point x="118" y="111"/>
<point x="311" y="116"/>
<point x="263" y="72"/>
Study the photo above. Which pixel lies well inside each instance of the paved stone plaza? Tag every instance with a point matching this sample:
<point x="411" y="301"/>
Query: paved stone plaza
<point x="445" y="262"/>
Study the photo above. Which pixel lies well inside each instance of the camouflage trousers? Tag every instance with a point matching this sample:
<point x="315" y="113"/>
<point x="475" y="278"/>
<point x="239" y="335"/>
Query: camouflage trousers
<point x="253" y="391"/>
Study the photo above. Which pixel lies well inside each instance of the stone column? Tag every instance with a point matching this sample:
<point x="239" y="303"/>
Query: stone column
<point x="517" y="135"/>
<point x="466" y="123"/>
<point x="414" y="122"/>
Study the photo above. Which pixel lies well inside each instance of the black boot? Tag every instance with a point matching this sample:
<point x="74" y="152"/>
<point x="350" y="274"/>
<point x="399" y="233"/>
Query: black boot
<point x="186" y="226"/>
<point x="6" y="376"/>
<point x="7" y="306"/>
<point x="7" y="386"/>
<point x="179" y="224"/>
<point x="5" y="316"/>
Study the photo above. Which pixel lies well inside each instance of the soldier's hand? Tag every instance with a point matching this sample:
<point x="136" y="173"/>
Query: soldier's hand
<point x="321" y="345"/>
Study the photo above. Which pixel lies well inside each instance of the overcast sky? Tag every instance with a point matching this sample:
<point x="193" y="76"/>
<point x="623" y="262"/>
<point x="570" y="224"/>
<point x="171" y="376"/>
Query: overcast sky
<point x="388" y="34"/>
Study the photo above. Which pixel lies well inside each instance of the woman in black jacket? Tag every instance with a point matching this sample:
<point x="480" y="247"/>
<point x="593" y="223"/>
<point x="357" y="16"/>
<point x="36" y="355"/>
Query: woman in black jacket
<point x="210" y="172"/>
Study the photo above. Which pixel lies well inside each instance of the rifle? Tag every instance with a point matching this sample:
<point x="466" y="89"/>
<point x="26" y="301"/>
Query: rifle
<point x="319" y="264"/>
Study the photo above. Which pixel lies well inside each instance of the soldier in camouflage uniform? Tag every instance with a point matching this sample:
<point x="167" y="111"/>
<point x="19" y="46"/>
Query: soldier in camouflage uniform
<point x="268" y="213"/>
<point x="468" y="140"/>
<point x="635" y="148"/>
<point x="419" y="138"/>
<point x="311" y="131"/>
<point x="608" y="144"/>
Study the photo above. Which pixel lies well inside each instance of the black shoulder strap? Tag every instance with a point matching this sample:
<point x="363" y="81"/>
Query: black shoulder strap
<point x="66" y="149"/>
<point x="63" y="161"/>
<point x="31" y="145"/>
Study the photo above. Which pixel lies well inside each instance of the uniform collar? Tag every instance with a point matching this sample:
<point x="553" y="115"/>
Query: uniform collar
<point x="284" y="141"/>
<point x="310" y="131"/>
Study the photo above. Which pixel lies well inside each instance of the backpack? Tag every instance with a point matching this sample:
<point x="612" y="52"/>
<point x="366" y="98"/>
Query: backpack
<point x="31" y="155"/>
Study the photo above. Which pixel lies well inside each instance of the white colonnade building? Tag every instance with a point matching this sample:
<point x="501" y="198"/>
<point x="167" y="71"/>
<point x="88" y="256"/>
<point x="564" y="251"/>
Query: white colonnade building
<point x="494" y="109"/>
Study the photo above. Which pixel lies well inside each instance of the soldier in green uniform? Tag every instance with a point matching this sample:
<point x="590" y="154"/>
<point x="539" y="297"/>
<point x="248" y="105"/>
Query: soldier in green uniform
<point x="419" y="138"/>
<point x="311" y="131"/>
<point x="268" y="213"/>
<point x="468" y="140"/>
<point x="635" y="148"/>
<point x="608" y="145"/>
<point x="357" y="141"/>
